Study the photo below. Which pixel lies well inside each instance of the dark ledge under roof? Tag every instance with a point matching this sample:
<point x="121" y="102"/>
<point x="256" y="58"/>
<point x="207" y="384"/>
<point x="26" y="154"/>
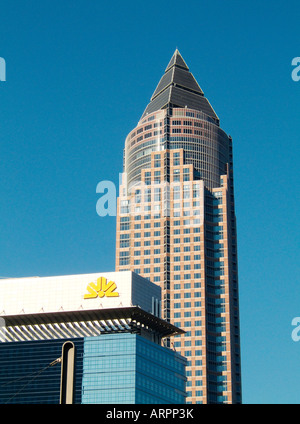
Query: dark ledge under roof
<point x="134" y="314"/>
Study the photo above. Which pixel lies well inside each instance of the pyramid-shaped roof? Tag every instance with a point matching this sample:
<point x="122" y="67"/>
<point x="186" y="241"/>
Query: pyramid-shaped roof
<point x="178" y="88"/>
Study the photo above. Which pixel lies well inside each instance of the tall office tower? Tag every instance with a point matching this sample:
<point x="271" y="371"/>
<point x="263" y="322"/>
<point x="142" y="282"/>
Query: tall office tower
<point x="176" y="226"/>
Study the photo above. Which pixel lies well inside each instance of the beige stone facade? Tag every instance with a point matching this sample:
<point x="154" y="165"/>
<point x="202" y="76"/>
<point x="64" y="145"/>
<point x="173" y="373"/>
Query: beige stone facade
<point x="176" y="226"/>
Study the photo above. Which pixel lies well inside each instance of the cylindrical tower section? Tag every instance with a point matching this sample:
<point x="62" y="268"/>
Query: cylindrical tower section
<point x="205" y="144"/>
<point x="146" y="138"/>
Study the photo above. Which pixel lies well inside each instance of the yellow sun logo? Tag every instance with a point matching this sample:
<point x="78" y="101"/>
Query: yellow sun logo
<point x="101" y="289"/>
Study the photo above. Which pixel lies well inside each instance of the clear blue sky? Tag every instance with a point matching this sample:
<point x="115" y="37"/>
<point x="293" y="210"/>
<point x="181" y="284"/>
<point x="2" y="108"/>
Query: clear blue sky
<point x="79" y="76"/>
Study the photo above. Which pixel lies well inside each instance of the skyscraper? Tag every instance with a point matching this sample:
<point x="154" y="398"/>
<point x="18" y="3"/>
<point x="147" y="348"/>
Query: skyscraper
<point x="176" y="226"/>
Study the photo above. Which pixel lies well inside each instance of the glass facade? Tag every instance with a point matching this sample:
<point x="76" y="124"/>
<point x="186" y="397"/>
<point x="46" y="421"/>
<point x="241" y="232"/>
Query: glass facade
<point x="26" y="376"/>
<point x="119" y="368"/>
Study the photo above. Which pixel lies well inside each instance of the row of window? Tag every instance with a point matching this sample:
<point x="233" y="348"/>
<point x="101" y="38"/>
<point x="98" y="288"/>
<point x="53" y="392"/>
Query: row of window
<point x="196" y="285"/>
<point x="187" y="131"/>
<point x="186" y="295"/>
<point x="187" y="324"/>
<point x="176" y="249"/>
<point x="188" y="314"/>
<point x="179" y="305"/>
<point x="186" y="267"/>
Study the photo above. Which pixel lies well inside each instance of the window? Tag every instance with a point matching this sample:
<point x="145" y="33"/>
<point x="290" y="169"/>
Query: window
<point x="125" y="253"/>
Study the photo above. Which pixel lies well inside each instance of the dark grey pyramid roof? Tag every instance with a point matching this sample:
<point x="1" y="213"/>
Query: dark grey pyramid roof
<point x="178" y="88"/>
<point x="177" y="59"/>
